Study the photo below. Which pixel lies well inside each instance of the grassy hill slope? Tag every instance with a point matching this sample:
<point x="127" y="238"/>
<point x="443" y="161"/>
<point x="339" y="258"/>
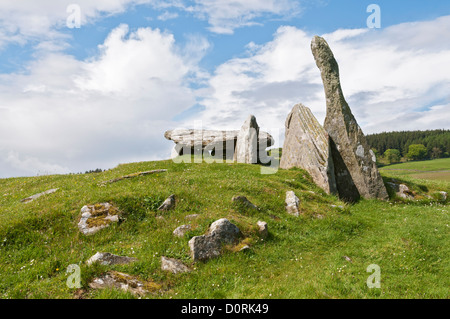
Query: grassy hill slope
<point x="303" y="257"/>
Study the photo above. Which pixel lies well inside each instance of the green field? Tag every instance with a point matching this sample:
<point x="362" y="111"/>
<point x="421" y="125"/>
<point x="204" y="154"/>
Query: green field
<point x="303" y="257"/>
<point x="438" y="170"/>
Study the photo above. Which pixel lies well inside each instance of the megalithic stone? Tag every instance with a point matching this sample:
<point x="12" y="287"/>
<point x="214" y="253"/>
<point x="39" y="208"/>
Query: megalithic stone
<point x="247" y="142"/>
<point x="306" y="145"/>
<point x="354" y="162"/>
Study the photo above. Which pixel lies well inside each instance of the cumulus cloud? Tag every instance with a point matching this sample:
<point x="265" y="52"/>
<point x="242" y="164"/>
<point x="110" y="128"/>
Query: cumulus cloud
<point x="396" y="78"/>
<point x="109" y="109"/>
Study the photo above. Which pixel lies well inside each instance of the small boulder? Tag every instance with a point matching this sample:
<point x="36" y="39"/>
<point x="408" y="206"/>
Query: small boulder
<point x="168" y="204"/>
<point x="292" y="202"/>
<point x="443" y="195"/>
<point x="263" y="229"/>
<point x="244" y="201"/>
<point x="96" y="217"/>
<point x="209" y="246"/>
<point x="402" y="190"/>
<point x="109" y="259"/>
<point x="173" y="265"/>
<point x="125" y="282"/>
<point x="181" y="230"/>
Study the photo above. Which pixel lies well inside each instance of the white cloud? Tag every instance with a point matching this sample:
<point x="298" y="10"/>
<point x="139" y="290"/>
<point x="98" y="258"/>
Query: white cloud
<point x="226" y="15"/>
<point x="167" y="16"/>
<point x="396" y="78"/>
<point x="112" y="108"/>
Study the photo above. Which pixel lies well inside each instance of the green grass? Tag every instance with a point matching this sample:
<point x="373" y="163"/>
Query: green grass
<point x="302" y="257"/>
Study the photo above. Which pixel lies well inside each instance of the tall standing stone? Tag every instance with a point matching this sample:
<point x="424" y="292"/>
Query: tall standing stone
<point x="306" y="145"/>
<point x="354" y="162"/>
<point x="247" y="142"/>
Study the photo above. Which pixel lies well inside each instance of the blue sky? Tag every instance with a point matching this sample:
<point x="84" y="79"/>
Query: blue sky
<point x="145" y="66"/>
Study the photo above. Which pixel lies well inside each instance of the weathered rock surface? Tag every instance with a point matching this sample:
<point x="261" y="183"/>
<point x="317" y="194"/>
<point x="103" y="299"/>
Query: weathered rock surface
<point x="401" y="190"/>
<point x="209" y="246"/>
<point x="168" y="204"/>
<point x="244" y="201"/>
<point x="181" y="230"/>
<point x="307" y="146"/>
<point x="247" y="142"/>
<point x="222" y="144"/>
<point x="36" y="196"/>
<point x="173" y="265"/>
<point x="354" y="162"/>
<point x="263" y="229"/>
<point x="96" y="217"/>
<point x="292" y="202"/>
<point x="109" y="259"/>
<point x="125" y="282"/>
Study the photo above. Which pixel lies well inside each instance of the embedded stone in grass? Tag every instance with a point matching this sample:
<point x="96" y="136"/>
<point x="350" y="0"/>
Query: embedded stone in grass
<point x="36" y="196"/>
<point x="109" y="259"/>
<point x="443" y="195"/>
<point x="263" y="229"/>
<point x="292" y="202"/>
<point x="168" y="204"/>
<point x="190" y="217"/>
<point x="401" y="190"/>
<point x="209" y="246"/>
<point x="181" y="230"/>
<point x="173" y="265"/>
<point x="244" y="201"/>
<point x="96" y="217"/>
<point x="132" y="176"/>
<point x="125" y="282"/>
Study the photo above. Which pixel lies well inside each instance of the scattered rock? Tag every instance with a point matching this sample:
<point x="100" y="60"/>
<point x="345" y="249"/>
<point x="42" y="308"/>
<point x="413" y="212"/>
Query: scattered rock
<point x="173" y="265"/>
<point x="307" y="146"/>
<point x="132" y="176"/>
<point x="354" y="162"/>
<point x="292" y="202"/>
<point x="36" y="196"/>
<point x="348" y="259"/>
<point x="125" y="282"/>
<point x="181" y="230"/>
<point x="96" y="217"/>
<point x="209" y="246"/>
<point x="401" y="190"/>
<point x="109" y="259"/>
<point x="263" y="229"/>
<point x="168" y="204"/>
<point x="244" y="201"/>
<point x="244" y="248"/>
<point x="247" y="142"/>
<point x="191" y="217"/>
<point x="444" y="195"/>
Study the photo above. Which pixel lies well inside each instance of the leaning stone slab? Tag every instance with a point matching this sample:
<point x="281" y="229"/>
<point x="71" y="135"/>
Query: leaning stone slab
<point x="307" y="146"/>
<point x="109" y="259"/>
<point x="209" y="246"/>
<point x="354" y="162"/>
<point x="125" y="282"/>
<point x="173" y="265"/>
<point x="168" y="204"/>
<point x="96" y="217"/>
<point x="132" y="176"/>
<point x="36" y="196"/>
<point x="292" y="202"/>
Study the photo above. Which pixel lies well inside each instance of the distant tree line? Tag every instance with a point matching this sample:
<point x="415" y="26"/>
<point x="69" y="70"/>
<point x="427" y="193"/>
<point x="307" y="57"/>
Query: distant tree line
<point x="411" y="145"/>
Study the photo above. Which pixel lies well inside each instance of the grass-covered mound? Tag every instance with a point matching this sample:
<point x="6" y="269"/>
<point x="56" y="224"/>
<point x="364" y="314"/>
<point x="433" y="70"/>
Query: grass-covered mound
<point x="303" y="257"/>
